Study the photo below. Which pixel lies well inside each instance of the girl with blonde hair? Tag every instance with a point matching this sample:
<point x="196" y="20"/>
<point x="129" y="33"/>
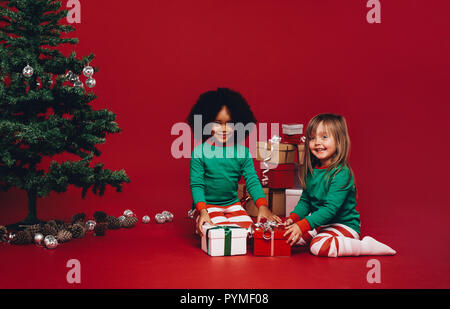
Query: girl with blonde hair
<point x="325" y="216"/>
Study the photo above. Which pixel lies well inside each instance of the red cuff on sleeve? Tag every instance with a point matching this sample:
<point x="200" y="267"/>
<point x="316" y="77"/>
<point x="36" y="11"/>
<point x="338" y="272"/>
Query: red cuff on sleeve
<point x="261" y="202"/>
<point x="303" y="225"/>
<point x="294" y="217"/>
<point x="200" y="206"/>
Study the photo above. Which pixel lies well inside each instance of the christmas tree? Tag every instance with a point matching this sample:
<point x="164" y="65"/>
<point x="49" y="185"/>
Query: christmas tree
<point x="44" y="107"/>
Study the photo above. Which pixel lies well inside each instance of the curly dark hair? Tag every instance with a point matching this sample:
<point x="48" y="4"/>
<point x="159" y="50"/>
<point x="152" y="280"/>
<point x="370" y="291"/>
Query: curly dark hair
<point x="211" y="102"/>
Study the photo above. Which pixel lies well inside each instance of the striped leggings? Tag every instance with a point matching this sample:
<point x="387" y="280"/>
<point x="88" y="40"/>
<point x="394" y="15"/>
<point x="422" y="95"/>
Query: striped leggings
<point x="233" y="214"/>
<point x="331" y="240"/>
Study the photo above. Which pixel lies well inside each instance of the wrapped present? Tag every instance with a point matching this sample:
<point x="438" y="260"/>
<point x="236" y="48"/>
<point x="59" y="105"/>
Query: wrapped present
<point x="247" y="202"/>
<point x="301" y="153"/>
<point x="276" y="152"/>
<point x="268" y="240"/>
<point x="292" y="198"/>
<point x="292" y="128"/>
<point x="223" y="240"/>
<point x="280" y="176"/>
<point x="277" y="202"/>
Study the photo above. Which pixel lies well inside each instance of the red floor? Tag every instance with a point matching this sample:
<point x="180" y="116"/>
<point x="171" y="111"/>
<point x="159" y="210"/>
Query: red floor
<point x="169" y="256"/>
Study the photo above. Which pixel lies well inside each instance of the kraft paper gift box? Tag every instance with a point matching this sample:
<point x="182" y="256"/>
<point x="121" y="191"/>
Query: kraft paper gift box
<point x="270" y="242"/>
<point x="281" y="153"/>
<point x="301" y="153"/>
<point x="224" y="240"/>
<point x="277" y="202"/>
<point x="292" y="198"/>
<point x="249" y="204"/>
<point x="292" y="128"/>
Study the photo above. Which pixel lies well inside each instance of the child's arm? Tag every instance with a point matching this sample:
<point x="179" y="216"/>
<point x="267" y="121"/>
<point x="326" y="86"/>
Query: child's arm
<point x="197" y="183"/>
<point x="337" y="194"/>
<point x="301" y="210"/>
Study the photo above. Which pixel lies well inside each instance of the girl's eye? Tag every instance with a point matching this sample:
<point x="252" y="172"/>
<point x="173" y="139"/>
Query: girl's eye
<point x="324" y="136"/>
<point x="312" y="138"/>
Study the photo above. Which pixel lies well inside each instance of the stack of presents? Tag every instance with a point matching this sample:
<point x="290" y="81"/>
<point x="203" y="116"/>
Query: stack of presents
<point x="281" y="162"/>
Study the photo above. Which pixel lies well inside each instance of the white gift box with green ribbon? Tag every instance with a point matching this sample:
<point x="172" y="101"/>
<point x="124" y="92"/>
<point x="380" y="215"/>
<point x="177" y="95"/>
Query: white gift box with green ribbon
<point x="224" y="240"/>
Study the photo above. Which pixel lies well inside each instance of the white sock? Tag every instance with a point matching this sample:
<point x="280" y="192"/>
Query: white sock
<point x="355" y="247"/>
<point x="370" y="246"/>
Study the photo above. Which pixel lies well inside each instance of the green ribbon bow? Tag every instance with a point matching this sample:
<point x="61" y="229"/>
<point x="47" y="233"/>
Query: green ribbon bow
<point x="227" y="240"/>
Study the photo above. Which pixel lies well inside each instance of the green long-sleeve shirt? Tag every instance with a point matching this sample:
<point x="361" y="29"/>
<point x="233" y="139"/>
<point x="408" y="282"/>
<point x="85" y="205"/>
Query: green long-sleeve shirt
<point x="215" y="172"/>
<point x="328" y="200"/>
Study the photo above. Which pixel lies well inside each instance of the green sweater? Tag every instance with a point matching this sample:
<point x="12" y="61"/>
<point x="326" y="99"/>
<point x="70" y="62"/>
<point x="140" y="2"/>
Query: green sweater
<point x="326" y="201"/>
<point x="215" y="172"/>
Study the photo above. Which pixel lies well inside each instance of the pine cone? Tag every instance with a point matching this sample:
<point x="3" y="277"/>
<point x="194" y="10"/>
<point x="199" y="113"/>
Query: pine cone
<point x="129" y="222"/>
<point x="77" y="230"/>
<point x="100" y="229"/>
<point x="64" y="236"/>
<point x="100" y="216"/>
<point x="35" y="228"/>
<point x="62" y="226"/>
<point x="113" y="223"/>
<point x="48" y="229"/>
<point x="79" y="217"/>
<point x="52" y="223"/>
<point x="3" y="233"/>
<point x="22" y="238"/>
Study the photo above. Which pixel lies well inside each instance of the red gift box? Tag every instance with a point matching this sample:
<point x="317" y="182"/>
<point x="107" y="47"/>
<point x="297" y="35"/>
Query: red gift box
<point x="270" y="242"/>
<point x="282" y="176"/>
<point x="291" y="139"/>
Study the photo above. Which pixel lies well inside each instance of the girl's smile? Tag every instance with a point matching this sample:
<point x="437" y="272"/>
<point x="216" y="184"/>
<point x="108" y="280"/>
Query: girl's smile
<point x="323" y="145"/>
<point x="222" y="130"/>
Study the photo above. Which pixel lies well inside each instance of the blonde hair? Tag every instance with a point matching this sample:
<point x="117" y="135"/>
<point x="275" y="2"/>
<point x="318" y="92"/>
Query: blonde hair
<point x="337" y="127"/>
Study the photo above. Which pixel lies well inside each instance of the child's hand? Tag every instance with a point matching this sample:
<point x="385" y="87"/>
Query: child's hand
<point x="204" y="217"/>
<point x="295" y="232"/>
<point x="264" y="212"/>
<point x="288" y="222"/>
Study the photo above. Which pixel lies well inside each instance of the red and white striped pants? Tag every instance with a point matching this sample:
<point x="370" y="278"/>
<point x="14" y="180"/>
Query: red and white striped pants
<point x="330" y="240"/>
<point x="233" y="214"/>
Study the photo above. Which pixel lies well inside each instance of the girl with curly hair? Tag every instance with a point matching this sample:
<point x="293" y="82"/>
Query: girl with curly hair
<point x="218" y="163"/>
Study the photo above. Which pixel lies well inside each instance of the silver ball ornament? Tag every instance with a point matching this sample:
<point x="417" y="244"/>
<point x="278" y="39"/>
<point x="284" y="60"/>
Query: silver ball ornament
<point x="128" y="213"/>
<point x="88" y="71"/>
<point x="90" y="82"/>
<point x="191" y="213"/>
<point x="27" y="71"/>
<point x="78" y="83"/>
<point x="50" y="242"/>
<point x="11" y="236"/>
<point x="38" y="238"/>
<point x="121" y="219"/>
<point x="168" y="215"/>
<point x="160" y="218"/>
<point x="145" y="219"/>
<point x="90" y="225"/>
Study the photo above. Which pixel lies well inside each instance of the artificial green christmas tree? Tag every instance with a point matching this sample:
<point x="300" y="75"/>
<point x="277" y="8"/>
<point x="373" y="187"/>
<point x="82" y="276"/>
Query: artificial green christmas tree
<point x="44" y="107"/>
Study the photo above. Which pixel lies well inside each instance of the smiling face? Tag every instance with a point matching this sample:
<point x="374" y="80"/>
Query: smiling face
<point x="222" y="130"/>
<point x="322" y="145"/>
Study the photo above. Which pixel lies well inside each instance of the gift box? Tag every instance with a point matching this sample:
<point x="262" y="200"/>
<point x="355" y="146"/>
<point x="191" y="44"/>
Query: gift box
<point x="270" y="242"/>
<point x="292" y="139"/>
<point x="247" y="202"/>
<point x="292" y="128"/>
<point x="280" y="176"/>
<point x="280" y="154"/>
<point x="292" y="198"/>
<point x="223" y="240"/>
<point x="301" y="153"/>
<point x="277" y="202"/>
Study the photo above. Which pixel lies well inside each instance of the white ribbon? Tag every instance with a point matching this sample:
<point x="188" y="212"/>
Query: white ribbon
<point x="274" y="140"/>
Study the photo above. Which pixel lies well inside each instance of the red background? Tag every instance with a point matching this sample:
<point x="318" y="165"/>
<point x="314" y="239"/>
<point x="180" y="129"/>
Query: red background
<point x="291" y="60"/>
